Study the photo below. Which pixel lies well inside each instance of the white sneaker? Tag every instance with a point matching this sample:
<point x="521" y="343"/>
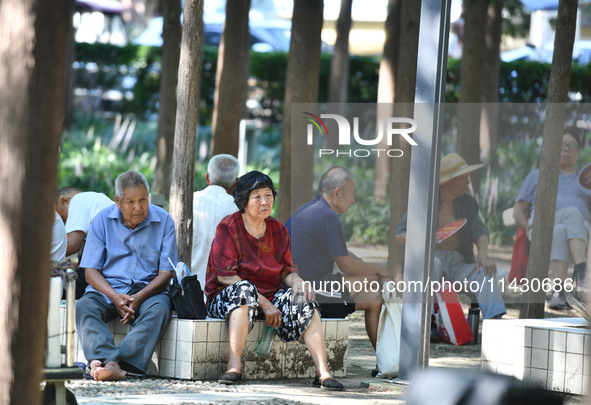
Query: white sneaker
<point x="557" y="301"/>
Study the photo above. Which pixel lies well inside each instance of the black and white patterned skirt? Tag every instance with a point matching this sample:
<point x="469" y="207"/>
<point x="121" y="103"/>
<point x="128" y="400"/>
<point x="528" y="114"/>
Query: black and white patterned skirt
<point x="296" y="312"/>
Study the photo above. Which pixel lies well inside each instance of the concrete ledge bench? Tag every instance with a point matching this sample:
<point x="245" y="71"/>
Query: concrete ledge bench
<point x="553" y="352"/>
<point x="198" y="350"/>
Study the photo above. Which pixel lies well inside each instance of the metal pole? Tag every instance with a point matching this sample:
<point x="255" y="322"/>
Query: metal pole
<point x="424" y="184"/>
<point x="70" y="315"/>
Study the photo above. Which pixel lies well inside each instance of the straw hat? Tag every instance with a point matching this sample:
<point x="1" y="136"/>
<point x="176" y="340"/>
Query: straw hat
<point x="453" y="166"/>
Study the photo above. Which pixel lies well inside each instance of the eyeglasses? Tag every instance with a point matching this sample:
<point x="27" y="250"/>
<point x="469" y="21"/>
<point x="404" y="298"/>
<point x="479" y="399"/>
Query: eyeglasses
<point x="569" y="146"/>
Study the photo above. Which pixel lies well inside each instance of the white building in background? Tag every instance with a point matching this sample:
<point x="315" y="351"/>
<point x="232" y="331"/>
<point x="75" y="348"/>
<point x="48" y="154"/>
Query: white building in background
<point x="542" y="31"/>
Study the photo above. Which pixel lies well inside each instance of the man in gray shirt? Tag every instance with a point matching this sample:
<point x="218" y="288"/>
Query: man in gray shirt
<point x="571" y="221"/>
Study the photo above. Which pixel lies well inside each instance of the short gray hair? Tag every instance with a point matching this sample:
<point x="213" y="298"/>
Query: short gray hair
<point x="129" y="179"/>
<point x="334" y="177"/>
<point x="223" y="170"/>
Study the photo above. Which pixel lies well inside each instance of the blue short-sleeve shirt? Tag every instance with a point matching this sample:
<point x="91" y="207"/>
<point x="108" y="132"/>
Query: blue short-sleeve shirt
<point x="570" y="192"/>
<point x="316" y="238"/>
<point x="130" y="258"/>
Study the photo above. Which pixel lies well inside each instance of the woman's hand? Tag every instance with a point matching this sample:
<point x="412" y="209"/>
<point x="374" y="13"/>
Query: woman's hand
<point x="272" y="315"/>
<point x="300" y="287"/>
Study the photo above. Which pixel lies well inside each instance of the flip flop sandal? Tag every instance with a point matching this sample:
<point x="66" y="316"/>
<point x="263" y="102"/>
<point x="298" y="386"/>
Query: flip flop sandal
<point x="331" y="384"/>
<point x="230" y="378"/>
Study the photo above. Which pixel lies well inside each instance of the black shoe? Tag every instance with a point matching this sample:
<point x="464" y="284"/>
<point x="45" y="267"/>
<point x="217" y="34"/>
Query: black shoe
<point x="330" y="384"/>
<point x="230" y="378"/>
<point x="375" y="371"/>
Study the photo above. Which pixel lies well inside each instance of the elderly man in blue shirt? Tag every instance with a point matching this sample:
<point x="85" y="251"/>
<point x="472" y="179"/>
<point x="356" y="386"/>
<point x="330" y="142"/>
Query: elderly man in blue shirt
<point x="127" y="267"/>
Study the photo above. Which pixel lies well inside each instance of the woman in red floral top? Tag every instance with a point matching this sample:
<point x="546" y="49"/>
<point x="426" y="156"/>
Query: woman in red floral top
<point x="249" y="267"/>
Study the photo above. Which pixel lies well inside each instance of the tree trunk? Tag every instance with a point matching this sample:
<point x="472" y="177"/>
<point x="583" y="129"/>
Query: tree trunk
<point x="155" y="8"/>
<point x="339" y="64"/>
<point x="338" y="84"/>
<point x="490" y="83"/>
<point x="468" y="141"/>
<point x="406" y="78"/>
<point x="303" y="69"/>
<point x="171" y="39"/>
<point x="230" y="80"/>
<point x="70" y="76"/>
<point x="387" y="90"/>
<point x="532" y="304"/>
<point x="32" y="85"/>
<point x="183" y="162"/>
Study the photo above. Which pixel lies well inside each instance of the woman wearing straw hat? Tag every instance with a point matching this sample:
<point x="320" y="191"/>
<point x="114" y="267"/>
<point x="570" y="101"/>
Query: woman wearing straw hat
<point x="454" y="256"/>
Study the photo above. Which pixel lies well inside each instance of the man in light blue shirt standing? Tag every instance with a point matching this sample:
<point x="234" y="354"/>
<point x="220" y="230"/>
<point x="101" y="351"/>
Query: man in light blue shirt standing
<point x="127" y="266"/>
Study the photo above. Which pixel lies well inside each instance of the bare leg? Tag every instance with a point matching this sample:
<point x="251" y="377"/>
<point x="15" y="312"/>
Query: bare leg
<point x="559" y="269"/>
<point x="371" y="303"/>
<point x="238" y="331"/>
<point x="111" y="372"/>
<point x="577" y="250"/>
<point x="372" y="317"/>
<point x="314" y="339"/>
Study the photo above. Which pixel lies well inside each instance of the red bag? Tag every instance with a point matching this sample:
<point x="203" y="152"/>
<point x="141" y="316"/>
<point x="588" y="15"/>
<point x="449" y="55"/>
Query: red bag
<point x="519" y="258"/>
<point x="451" y="321"/>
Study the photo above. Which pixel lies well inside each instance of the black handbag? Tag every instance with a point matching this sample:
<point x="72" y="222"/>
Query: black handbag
<point x="187" y="298"/>
<point x="336" y="306"/>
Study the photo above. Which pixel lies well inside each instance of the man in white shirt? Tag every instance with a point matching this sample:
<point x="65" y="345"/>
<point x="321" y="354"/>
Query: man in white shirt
<point x="58" y="240"/>
<point x="77" y="209"/>
<point x="210" y="205"/>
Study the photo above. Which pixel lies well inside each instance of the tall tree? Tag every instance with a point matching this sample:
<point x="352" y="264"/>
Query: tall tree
<point x="70" y="76"/>
<point x="171" y="39"/>
<point x="155" y="8"/>
<point x="183" y="163"/>
<point x="532" y="304"/>
<point x="490" y="82"/>
<point x="406" y="78"/>
<point x="32" y="82"/>
<point x="339" y="64"/>
<point x="387" y="89"/>
<point x="303" y="69"/>
<point x="230" y="80"/>
<point x="338" y="83"/>
<point x="468" y="139"/>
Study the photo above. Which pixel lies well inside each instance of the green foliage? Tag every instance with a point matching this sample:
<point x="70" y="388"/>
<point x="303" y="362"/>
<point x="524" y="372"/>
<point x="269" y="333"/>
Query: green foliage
<point x="516" y="20"/>
<point x="367" y="222"/>
<point x="501" y="184"/>
<point x="98" y="149"/>
<point x="89" y="164"/>
<point x="105" y="66"/>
